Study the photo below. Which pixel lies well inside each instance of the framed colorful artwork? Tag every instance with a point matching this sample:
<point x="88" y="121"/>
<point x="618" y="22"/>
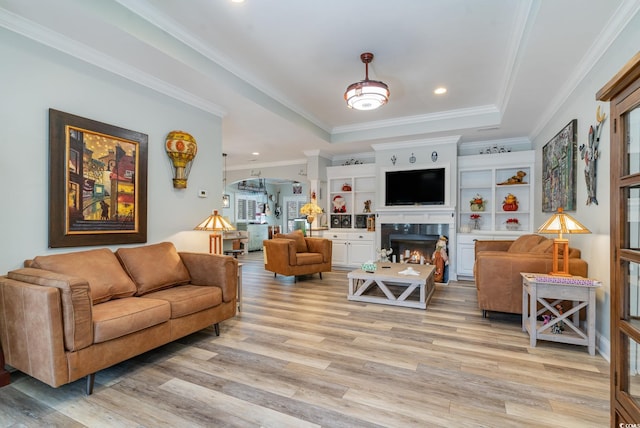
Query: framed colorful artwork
<point x="98" y="183"/>
<point x="559" y="170"/>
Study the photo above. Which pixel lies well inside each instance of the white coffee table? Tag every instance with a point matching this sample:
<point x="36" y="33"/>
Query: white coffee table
<point x="388" y="275"/>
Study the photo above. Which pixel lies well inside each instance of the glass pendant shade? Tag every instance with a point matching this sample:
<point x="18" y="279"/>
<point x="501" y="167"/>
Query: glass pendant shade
<point x="367" y="94"/>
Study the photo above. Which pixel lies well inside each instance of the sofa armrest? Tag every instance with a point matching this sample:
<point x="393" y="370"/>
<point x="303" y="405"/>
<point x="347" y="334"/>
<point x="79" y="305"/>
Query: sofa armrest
<point x="213" y="270"/>
<point x="75" y="300"/>
<point x="31" y="326"/>
<point x="320" y="245"/>
<point x="280" y="250"/>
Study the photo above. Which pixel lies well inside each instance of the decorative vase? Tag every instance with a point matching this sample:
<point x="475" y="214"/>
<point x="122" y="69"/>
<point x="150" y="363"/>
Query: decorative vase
<point x="513" y="226"/>
<point x="477" y="207"/>
<point x="475" y="224"/>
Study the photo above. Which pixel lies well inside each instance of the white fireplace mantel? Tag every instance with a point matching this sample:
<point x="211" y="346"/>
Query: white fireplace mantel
<point x="417" y="215"/>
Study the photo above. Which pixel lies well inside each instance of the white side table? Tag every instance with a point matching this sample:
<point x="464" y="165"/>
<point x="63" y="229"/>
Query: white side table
<point x="551" y="290"/>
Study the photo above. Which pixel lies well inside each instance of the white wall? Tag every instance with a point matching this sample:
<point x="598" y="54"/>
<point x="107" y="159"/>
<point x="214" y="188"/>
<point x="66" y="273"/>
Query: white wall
<point x="36" y="78"/>
<point x="582" y="105"/>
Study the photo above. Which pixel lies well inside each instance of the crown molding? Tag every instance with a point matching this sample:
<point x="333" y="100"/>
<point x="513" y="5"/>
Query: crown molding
<point x="420" y="119"/>
<point x="64" y="44"/>
<point x="268" y="164"/>
<point x="453" y="139"/>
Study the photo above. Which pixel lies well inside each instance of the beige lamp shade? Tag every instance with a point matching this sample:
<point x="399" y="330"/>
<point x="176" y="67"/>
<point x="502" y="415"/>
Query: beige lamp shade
<point x="217" y="224"/>
<point x="560" y="223"/>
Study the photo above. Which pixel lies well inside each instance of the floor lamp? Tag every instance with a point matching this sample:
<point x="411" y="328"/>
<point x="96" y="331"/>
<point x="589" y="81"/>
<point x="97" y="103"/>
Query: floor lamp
<point x="560" y="223"/>
<point x="218" y="225"/>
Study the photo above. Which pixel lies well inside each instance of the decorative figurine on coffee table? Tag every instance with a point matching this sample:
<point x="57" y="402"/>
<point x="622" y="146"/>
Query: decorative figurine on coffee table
<point x="384" y="254"/>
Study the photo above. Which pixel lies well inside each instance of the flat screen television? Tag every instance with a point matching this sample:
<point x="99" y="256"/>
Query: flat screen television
<point x="415" y="187"/>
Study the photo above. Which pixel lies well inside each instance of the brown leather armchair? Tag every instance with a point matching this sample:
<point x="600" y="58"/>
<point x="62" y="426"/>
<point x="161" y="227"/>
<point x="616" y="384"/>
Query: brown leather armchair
<point x="294" y="254"/>
<point x="498" y="265"/>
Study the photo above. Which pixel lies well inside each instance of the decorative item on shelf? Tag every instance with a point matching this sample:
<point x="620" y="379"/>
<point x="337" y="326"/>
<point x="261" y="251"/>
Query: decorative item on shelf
<point x="339" y="204"/>
<point x="371" y="224"/>
<point x="495" y="149"/>
<point x="361" y="221"/>
<point x="346" y="187"/>
<point x="516" y="179"/>
<point x="477" y="203"/>
<point x="367" y="206"/>
<point x="434" y="156"/>
<point x="311" y="209"/>
<point x="346" y="221"/>
<point x="510" y="203"/>
<point x="412" y="159"/>
<point x="384" y="254"/>
<point x="465" y="228"/>
<point x="181" y="148"/>
<point x="561" y="223"/>
<point x="394" y="159"/>
<point x="352" y="162"/>
<point x="475" y="221"/>
<point x="366" y="94"/>
<point x="218" y="225"/>
<point x="513" y="224"/>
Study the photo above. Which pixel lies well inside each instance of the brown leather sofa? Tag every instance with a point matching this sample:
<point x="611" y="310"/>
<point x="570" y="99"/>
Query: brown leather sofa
<point x="67" y="316"/>
<point x="294" y="254"/>
<point x="498" y="265"/>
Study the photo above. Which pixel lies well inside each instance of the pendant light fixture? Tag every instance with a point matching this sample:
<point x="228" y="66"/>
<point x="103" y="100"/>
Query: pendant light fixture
<point x="366" y="94"/>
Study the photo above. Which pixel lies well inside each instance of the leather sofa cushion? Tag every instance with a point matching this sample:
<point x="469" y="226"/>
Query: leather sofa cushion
<point x="525" y="243"/>
<point x="545" y="246"/>
<point x="298" y="237"/>
<point x="119" y="317"/>
<point x="154" y="267"/>
<point x="303" y="259"/>
<point x="188" y="299"/>
<point x="100" y="268"/>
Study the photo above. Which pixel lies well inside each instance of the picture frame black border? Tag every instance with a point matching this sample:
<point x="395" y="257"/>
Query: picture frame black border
<point x="58" y="181"/>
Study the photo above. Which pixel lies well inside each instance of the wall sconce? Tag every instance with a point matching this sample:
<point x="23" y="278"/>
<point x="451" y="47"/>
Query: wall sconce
<point x="181" y="148"/>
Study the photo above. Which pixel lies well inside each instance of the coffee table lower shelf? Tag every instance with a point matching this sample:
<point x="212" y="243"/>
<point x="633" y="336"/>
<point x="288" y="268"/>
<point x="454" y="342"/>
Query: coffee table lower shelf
<point x="396" y="288"/>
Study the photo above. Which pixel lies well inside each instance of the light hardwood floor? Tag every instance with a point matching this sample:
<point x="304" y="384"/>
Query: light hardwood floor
<point x="301" y="355"/>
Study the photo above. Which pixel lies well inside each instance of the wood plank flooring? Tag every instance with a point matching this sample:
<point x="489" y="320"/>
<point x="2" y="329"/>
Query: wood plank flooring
<point x="301" y="355"/>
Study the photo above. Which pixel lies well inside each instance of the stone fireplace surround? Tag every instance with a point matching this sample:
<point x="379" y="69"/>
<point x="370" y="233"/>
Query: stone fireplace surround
<point x="416" y="229"/>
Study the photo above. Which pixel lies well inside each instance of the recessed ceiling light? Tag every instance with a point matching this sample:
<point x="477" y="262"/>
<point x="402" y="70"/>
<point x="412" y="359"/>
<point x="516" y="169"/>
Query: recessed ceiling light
<point x="441" y="90"/>
<point x="237" y="1"/>
<point x="255" y="154"/>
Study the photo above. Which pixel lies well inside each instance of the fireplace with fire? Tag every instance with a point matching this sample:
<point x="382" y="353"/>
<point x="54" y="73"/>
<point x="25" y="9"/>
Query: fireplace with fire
<point x="412" y="243"/>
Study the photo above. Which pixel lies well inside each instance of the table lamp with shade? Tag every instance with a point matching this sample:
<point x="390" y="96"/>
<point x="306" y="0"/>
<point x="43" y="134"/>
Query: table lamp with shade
<point x="311" y="209"/>
<point x="218" y="225"/>
<point x="560" y="223"/>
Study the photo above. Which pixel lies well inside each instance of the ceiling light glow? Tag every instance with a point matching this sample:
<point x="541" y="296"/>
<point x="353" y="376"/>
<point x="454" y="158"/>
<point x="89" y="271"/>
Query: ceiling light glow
<point x="441" y="90"/>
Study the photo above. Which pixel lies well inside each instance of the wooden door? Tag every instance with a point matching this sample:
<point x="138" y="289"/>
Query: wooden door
<point x="623" y="92"/>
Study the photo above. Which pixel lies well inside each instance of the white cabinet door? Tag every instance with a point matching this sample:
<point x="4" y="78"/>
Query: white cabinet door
<point x="339" y="254"/>
<point x="466" y="259"/>
<point x="360" y="248"/>
<point x="360" y="252"/>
